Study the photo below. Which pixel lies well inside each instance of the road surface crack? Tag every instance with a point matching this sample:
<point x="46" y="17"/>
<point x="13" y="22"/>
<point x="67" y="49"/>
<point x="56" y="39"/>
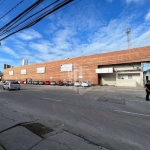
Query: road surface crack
<point x="7" y="117"/>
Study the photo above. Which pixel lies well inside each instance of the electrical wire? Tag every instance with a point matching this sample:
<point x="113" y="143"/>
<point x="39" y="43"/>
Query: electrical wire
<point x="8" y="29"/>
<point x="67" y="6"/>
<point x="37" y="19"/>
<point x="34" y="21"/>
<point x="11" y="9"/>
<point x="1" y="2"/>
<point x="23" y="16"/>
<point x="49" y="12"/>
<point x="31" y="7"/>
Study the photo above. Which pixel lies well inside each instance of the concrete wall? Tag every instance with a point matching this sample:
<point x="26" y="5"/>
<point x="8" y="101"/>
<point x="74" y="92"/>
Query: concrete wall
<point x="116" y="79"/>
<point x="122" y="79"/>
<point x="131" y="83"/>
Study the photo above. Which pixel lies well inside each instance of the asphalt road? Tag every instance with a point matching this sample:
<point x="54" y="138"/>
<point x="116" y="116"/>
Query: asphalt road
<point x="116" y="118"/>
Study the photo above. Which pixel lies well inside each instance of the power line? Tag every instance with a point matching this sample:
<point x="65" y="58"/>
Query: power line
<point x="9" y="28"/>
<point x="2" y="1"/>
<point x="11" y="9"/>
<point x="68" y="6"/>
<point x="33" y="21"/>
<point x="31" y="7"/>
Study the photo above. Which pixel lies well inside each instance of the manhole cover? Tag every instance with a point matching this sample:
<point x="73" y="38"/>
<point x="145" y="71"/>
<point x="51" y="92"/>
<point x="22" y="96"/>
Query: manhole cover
<point x="38" y="128"/>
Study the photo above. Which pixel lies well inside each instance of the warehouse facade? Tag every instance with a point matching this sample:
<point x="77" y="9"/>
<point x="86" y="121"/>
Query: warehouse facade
<point x="119" y="68"/>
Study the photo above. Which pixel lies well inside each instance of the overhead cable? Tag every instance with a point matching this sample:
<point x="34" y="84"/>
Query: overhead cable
<point x="2" y="1"/>
<point x="39" y="18"/>
<point x="11" y="9"/>
<point x="23" y="13"/>
<point x="9" y="28"/>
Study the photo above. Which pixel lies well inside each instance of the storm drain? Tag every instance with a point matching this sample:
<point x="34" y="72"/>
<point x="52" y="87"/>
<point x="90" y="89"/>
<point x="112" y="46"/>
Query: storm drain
<point x="38" y="129"/>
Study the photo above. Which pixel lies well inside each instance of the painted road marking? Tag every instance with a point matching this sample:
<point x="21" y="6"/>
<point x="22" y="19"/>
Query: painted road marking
<point x="57" y="100"/>
<point x="132" y="113"/>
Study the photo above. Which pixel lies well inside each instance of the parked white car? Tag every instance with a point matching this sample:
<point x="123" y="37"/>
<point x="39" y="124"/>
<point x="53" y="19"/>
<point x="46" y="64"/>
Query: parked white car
<point x="77" y="83"/>
<point x="11" y="85"/>
<point x="86" y="83"/>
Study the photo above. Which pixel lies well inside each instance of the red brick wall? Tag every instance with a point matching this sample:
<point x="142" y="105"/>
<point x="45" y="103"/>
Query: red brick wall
<point x="87" y="63"/>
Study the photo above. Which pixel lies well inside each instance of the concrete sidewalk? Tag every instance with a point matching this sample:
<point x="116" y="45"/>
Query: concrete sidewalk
<point x="14" y="136"/>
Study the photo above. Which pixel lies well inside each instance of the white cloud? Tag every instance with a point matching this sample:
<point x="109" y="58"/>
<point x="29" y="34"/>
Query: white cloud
<point x="29" y="35"/>
<point x="142" y="40"/>
<point x="9" y="51"/>
<point x="58" y="46"/>
<point x="42" y="46"/>
<point x="147" y="16"/>
<point x="67" y="42"/>
<point x="62" y="38"/>
<point x="50" y="29"/>
<point x="4" y="60"/>
<point x="19" y="44"/>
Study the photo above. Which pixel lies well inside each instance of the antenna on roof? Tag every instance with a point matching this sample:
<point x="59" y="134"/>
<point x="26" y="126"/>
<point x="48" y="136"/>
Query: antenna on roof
<point x="128" y="31"/>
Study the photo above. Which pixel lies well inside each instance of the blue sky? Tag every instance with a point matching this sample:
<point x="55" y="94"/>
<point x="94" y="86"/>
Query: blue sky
<point x="83" y="27"/>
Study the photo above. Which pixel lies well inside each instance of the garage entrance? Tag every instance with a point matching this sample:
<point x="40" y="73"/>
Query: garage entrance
<point x="107" y="79"/>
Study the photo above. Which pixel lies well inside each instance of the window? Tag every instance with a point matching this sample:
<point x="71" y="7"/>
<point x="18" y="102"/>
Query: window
<point x="129" y="76"/>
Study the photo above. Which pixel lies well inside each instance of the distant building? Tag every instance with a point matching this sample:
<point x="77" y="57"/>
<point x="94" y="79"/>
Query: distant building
<point x="24" y="62"/>
<point x="7" y="66"/>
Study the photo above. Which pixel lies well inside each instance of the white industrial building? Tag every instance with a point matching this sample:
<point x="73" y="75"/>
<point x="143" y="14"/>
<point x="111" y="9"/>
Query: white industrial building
<point x="121" y="75"/>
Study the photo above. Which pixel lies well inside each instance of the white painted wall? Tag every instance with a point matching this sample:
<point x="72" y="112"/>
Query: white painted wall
<point x="131" y="83"/>
<point x="134" y="82"/>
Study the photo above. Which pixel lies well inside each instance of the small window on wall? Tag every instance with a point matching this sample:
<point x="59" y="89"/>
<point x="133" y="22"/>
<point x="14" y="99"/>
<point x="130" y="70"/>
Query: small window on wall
<point x="129" y="76"/>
